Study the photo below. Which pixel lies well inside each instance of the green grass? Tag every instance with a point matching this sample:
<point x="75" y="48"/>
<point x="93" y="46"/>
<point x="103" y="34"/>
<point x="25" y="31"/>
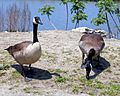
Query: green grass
<point x="98" y="85"/>
<point x="76" y="88"/>
<point x="74" y="81"/>
<point x="4" y="67"/>
<point x="68" y="52"/>
<point x="32" y="90"/>
<point x="112" y="57"/>
<point x="118" y="48"/>
<point x="86" y="82"/>
<point x="15" y="74"/>
<point x="27" y="89"/>
<point x="93" y="83"/>
<point x="60" y="79"/>
<point x="6" y="60"/>
<point x="2" y="73"/>
<point x="108" y="70"/>
<point x="109" y="49"/>
<point x="111" y="90"/>
<point x="13" y="87"/>
<point x="57" y="71"/>
<point x="51" y="57"/>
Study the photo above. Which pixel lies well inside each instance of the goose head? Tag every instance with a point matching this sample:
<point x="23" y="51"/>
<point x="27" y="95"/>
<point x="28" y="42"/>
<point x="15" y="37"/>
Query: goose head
<point x="37" y="20"/>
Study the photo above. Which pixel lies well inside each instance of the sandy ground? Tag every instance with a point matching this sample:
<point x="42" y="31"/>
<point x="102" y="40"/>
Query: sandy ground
<point x="60" y="56"/>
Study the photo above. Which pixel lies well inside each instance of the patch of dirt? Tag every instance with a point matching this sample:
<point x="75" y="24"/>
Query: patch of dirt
<point x="58" y="72"/>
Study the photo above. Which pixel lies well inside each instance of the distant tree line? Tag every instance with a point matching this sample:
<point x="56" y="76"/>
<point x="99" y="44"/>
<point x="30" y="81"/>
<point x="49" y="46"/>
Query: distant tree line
<point x="15" y="19"/>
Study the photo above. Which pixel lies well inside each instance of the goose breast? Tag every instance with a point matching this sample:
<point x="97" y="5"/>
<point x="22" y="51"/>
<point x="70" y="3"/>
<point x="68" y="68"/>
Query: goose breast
<point x="32" y="53"/>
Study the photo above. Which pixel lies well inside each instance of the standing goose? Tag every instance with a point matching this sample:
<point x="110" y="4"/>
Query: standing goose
<point x="27" y="52"/>
<point x="90" y="44"/>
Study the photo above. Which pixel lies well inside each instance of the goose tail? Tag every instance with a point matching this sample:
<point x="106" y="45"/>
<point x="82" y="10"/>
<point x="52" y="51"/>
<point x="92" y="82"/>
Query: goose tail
<point x="6" y="49"/>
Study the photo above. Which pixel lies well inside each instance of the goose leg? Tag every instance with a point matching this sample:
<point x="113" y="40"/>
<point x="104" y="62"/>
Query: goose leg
<point x="23" y="71"/>
<point x="98" y="59"/>
<point x="30" y="69"/>
<point x="83" y="62"/>
<point x="29" y="66"/>
<point x="83" y="55"/>
<point x="88" y="69"/>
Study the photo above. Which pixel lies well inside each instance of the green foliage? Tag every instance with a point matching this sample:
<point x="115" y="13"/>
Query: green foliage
<point x="77" y="5"/>
<point x="99" y="20"/>
<point x="117" y="12"/>
<point x="46" y="10"/>
<point x="105" y="6"/>
<point x="79" y="16"/>
<point x="65" y="1"/>
<point x="77" y="9"/>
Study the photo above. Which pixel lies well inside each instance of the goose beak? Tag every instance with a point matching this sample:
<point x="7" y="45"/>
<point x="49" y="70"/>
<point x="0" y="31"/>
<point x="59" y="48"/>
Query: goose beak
<point x="6" y="49"/>
<point x="40" y="22"/>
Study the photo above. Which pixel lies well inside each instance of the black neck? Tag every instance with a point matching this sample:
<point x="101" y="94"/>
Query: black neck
<point x="91" y="54"/>
<point x="35" y="38"/>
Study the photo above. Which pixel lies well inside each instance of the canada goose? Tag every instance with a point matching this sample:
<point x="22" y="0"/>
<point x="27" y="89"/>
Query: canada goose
<point x="27" y="52"/>
<point x="90" y="44"/>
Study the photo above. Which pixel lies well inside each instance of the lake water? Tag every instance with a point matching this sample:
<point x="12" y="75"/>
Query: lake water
<point x="59" y="15"/>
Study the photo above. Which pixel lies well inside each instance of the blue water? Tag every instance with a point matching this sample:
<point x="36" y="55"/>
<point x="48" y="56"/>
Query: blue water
<point x="59" y="15"/>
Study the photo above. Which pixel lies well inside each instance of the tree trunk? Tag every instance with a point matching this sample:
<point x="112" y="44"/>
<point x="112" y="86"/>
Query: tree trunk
<point x="67" y="16"/>
<point x="114" y="21"/>
<point x="77" y="21"/>
<point x="51" y="22"/>
<point x="108" y="25"/>
<point x="118" y="19"/>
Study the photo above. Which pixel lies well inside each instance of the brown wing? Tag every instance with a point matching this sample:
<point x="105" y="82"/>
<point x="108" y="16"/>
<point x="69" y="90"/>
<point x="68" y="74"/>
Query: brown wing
<point x="94" y="37"/>
<point x="18" y="47"/>
<point x="21" y="46"/>
<point x="92" y="41"/>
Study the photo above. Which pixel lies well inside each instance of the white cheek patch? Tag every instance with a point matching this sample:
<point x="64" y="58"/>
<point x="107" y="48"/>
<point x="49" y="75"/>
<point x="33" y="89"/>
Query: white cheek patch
<point x="34" y="21"/>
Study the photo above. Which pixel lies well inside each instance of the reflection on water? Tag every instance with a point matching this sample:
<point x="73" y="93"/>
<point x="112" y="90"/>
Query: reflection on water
<point x="59" y="15"/>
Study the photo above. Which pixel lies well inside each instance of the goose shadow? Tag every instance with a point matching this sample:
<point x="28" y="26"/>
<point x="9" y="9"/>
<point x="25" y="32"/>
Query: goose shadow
<point x="99" y="68"/>
<point x="35" y="73"/>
